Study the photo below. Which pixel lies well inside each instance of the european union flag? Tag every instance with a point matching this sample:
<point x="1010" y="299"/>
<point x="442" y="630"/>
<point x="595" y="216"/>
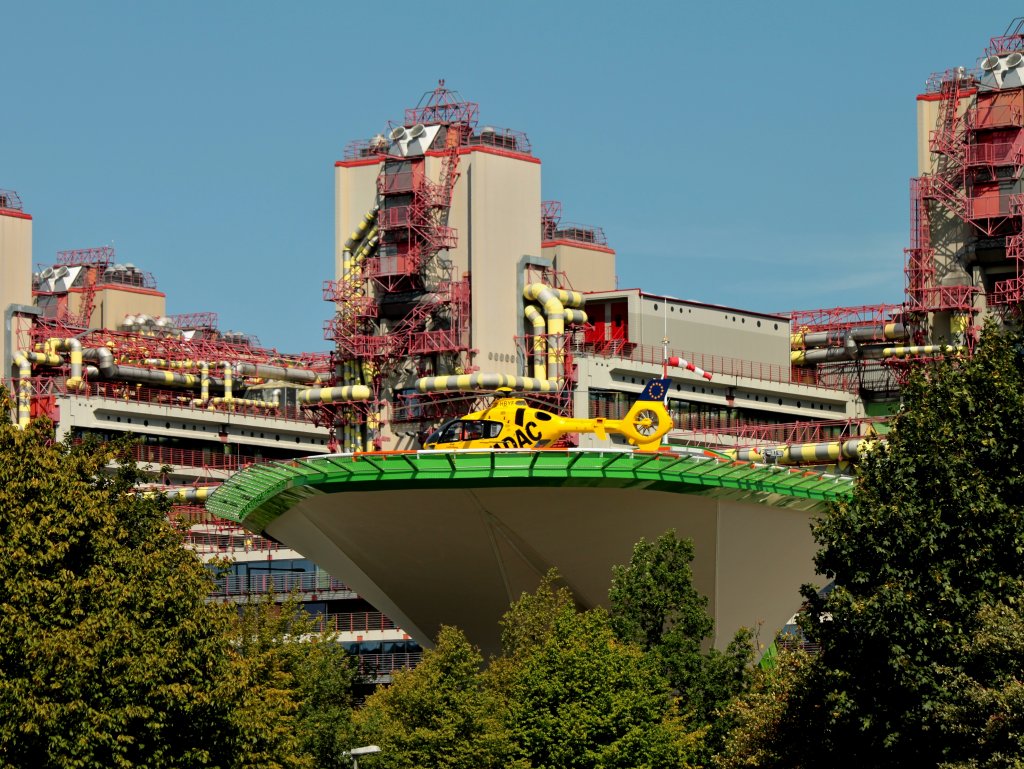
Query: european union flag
<point x="656" y="390"/>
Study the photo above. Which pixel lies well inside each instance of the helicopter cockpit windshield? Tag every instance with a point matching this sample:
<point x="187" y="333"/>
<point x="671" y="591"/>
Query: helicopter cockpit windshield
<point x="458" y="430"/>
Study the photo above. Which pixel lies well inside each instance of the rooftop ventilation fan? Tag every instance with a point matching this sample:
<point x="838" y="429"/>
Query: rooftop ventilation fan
<point x="1014" y="60"/>
<point x="990" y="63"/>
<point x="399" y="134"/>
<point x="417" y="131"/>
<point x="47" y="273"/>
<point x="60" y="272"/>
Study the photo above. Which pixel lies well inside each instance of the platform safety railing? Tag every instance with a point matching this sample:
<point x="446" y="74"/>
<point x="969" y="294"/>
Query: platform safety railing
<point x="281" y="584"/>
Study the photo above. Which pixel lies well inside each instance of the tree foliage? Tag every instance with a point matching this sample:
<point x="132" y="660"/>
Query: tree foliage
<point x="440" y="714"/>
<point x="983" y="716"/>
<point x="578" y="696"/>
<point x="110" y="655"/>
<point x="755" y="717"/>
<point x="304" y="678"/>
<point x="914" y="666"/>
<point x="655" y="605"/>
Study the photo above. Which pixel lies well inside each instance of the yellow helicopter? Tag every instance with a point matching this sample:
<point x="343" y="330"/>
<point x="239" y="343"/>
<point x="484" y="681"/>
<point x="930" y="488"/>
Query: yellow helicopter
<point x="510" y="423"/>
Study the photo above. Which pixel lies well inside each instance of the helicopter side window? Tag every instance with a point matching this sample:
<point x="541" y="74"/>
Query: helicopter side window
<point x="465" y="430"/>
<point x="478" y="429"/>
<point x="451" y="432"/>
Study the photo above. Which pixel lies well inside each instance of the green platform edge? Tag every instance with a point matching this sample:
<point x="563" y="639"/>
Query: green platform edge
<point x="257" y="495"/>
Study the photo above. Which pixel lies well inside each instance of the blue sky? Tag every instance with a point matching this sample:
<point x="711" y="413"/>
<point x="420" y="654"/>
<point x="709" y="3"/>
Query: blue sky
<point x="750" y="154"/>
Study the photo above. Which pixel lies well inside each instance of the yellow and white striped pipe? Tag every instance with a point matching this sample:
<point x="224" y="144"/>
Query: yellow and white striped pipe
<point x="232" y="402"/>
<point x="359" y="233"/>
<point x="924" y="349"/>
<point x="537" y="320"/>
<point x="24" y="360"/>
<point x="74" y="349"/>
<point x="554" y="311"/>
<point x="228" y="380"/>
<point x="334" y="394"/>
<point x="827" y="354"/>
<point x="805" y="453"/>
<point x="183" y="494"/>
<point x="204" y="384"/>
<point x="464" y="382"/>
<point x="566" y="298"/>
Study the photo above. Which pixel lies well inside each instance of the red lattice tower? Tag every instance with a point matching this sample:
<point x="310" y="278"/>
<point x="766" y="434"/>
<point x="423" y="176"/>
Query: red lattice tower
<point x="1011" y="40"/>
<point x="920" y="257"/>
<point x="947" y="185"/>
<point x="402" y="271"/>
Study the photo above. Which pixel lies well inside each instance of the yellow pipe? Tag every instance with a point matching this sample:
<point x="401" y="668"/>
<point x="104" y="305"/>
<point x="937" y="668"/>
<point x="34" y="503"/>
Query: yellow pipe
<point x="204" y="385"/>
<point x="567" y="298"/>
<point x="554" y="311"/>
<point x="244" y="402"/>
<point x="74" y="348"/>
<point x="24" y="360"/>
<point x="537" y="320"/>
<point x="926" y="349"/>
<point x="334" y="394"/>
<point x="462" y="382"/>
<point x="228" y="381"/>
<point x="803" y="453"/>
<point x="370" y="217"/>
<point x="891" y="331"/>
<point x="24" y="388"/>
<point x="182" y="494"/>
<point x="959" y="325"/>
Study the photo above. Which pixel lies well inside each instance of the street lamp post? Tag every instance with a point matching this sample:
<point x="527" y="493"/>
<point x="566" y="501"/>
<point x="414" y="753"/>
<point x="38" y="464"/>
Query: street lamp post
<point x="363" y="751"/>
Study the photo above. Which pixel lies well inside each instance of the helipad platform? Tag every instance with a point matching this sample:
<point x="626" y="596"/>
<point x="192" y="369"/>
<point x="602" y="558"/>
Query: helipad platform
<point x="437" y="537"/>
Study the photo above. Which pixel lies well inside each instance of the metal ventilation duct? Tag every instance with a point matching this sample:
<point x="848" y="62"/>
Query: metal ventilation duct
<point x="992" y="74"/>
<point x="410" y="142"/>
<point x="1013" y="76"/>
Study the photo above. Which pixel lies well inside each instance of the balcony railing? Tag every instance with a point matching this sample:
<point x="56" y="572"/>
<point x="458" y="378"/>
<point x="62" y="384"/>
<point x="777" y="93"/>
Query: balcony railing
<point x="1001" y="154"/>
<point x="280" y="583"/>
<point x="356" y="622"/>
<point x="209" y="459"/>
<point x="384" y="664"/>
<point x="715" y="364"/>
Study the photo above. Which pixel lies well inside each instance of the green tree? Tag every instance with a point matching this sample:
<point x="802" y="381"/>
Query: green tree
<point x="655" y="605"/>
<point x="932" y="539"/>
<point x="440" y="714"/>
<point x="577" y="696"/>
<point x="305" y="674"/>
<point x="754" y="720"/>
<point x="984" y="712"/>
<point x="109" y="654"/>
